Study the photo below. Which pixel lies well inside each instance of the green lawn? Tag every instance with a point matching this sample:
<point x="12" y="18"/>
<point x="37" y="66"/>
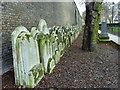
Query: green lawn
<point x="114" y="29"/>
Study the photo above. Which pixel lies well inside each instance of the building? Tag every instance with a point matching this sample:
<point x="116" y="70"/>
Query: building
<point x="28" y="14"/>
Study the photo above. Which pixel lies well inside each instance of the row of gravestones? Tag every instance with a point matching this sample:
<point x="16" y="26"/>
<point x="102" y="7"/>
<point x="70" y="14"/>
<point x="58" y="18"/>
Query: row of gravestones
<point x="37" y="52"/>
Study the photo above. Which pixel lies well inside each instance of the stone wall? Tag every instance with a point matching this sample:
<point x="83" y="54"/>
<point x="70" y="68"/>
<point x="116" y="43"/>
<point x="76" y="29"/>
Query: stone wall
<point x="28" y="14"/>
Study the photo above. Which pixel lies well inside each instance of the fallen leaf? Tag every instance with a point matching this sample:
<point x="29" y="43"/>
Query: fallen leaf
<point x="59" y="74"/>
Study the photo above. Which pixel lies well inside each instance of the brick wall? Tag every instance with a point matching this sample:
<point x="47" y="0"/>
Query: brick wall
<point x="28" y="14"/>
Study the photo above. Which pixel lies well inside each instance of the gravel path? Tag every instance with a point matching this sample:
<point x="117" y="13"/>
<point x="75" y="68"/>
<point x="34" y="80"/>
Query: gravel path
<point x="80" y="69"/>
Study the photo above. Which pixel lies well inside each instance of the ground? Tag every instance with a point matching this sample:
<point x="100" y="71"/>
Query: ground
<point x="79" y="69"/>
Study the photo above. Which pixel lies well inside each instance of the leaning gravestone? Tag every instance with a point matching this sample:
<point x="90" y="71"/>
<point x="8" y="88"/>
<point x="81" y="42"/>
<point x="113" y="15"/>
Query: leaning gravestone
<point x="28" y="70"/>
<point x="44" y="50"/>
<point x="44" y="44"/>
<point x="104" y="33"/>
<point x="37" y="52"/>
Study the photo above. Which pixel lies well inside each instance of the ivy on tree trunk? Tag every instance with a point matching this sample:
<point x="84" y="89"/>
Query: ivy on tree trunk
<point x="96" y="22"/>
<point x="90" y="36"/>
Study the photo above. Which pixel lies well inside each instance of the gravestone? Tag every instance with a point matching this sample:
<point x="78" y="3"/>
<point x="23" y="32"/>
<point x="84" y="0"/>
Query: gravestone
<point x="56" y="57"/>
<point x="43" y="43"/>
<point x="28" y="70"/>
<point x="42" y="27"/>
<point x="44" y="40"/>
<point x="44" y="50"/>
<point x="104" y="33"/>
<point x="51" y="65"/>
<point x="37" y="52"/>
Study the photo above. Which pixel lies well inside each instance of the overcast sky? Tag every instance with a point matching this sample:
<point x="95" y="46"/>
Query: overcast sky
<point x="81" y="7"/>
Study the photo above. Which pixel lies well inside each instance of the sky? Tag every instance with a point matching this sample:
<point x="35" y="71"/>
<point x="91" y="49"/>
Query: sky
<point x="81" y="7"/>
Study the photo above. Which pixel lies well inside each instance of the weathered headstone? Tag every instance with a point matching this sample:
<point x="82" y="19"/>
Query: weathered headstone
<point x="44" y="50"/>
<point x="45" y="46"/>
<point x="51" y="65"/>
<point x="28" y="70"/>
<point x="42" y="27"/>
<point x="104" y="33"/>
<point x="37" y="52"/>
<point x="56" y="57"/>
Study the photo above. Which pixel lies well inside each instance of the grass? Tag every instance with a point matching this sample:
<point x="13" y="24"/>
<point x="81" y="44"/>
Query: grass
<point x="114" y="29"/>
<point x="103" y="40"/>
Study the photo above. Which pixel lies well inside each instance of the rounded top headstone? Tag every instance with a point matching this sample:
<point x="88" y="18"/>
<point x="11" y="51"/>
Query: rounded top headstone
<point x="42" y="26"/>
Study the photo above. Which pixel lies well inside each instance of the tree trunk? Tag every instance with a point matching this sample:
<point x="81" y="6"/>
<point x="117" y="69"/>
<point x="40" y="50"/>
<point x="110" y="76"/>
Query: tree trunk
<point x="91" y="25"/>
<point x="88" y="30"/>
<point x="96" y="22"/>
